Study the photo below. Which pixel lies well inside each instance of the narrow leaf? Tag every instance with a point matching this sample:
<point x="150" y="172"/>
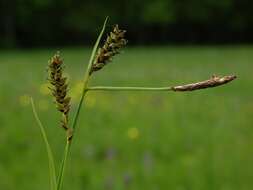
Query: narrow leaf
<point x="48" y="148"/>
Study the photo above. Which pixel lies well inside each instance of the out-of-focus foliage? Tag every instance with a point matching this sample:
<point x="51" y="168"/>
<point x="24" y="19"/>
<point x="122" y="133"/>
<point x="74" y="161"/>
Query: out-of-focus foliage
<point x="132" y="140"/>
<point x="66" y="22"/>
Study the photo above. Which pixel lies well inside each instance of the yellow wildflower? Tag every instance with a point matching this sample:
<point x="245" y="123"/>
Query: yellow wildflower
<point x="133" y="133"/>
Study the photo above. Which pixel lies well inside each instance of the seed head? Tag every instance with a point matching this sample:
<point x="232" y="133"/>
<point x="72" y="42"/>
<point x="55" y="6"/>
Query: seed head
<point x="212" y="82"/>
<point x="59" y="88"/>
<point x="114" y="42"/>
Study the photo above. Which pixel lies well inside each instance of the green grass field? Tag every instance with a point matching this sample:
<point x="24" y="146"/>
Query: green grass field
<point x="201" y="140"/>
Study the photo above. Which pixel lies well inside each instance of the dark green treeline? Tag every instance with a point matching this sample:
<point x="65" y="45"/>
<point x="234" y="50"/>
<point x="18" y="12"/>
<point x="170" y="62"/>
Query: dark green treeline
<point x="29" y="23"/>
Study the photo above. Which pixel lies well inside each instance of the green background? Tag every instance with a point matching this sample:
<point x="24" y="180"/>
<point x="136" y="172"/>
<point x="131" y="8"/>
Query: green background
<point x="132" y="140"/>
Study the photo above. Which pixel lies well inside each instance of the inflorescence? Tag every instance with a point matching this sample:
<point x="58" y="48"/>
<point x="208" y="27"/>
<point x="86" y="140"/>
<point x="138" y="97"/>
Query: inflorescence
<point x="114" y="42"/>
<point x="59" y="88"/>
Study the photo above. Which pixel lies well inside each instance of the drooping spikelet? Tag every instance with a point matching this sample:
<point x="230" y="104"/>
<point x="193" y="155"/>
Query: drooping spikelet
<point x="59" y="88"/>
<point x="212" y="82"/>
<point x="114" y="42"/>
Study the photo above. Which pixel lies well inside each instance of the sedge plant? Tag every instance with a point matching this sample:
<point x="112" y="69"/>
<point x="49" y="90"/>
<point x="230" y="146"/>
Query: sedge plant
<point x="99" y="58"/>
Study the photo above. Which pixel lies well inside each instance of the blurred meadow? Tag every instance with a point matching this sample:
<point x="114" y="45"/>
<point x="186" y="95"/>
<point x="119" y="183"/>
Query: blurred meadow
<point x="132" y="140"/>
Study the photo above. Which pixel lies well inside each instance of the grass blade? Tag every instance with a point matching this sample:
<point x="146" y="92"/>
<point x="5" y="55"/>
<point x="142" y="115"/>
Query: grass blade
<point x="86" y="75"/>
<point x="48" y="148"/>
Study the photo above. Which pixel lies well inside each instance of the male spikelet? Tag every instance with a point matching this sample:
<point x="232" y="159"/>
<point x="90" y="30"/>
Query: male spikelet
<point x="59" y="88"/>
<point x="114" y="42"/>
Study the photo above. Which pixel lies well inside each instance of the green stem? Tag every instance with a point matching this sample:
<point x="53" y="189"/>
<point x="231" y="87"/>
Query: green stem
<point x="49" y="150"/>
<point x="87" y="75"/>
<point x="85" y="84"/>
<point x="128" y="88"/>
<point x="63" y="164"/>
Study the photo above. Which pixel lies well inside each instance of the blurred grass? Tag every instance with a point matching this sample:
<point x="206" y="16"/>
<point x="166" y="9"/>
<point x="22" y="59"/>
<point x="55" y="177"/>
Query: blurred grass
<point x="199" y="140"/>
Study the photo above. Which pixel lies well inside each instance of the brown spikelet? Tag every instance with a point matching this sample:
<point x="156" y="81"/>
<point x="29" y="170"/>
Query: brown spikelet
<point x="114" y="42"/>
<point x="213" y="82"/>
<point x="59" y="88"/>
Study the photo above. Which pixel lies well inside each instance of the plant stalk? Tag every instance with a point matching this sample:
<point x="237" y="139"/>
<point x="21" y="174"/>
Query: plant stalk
<point x="84" y="91"/>
<point x="214" y="81"/>
<point x="128" y="88"/>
